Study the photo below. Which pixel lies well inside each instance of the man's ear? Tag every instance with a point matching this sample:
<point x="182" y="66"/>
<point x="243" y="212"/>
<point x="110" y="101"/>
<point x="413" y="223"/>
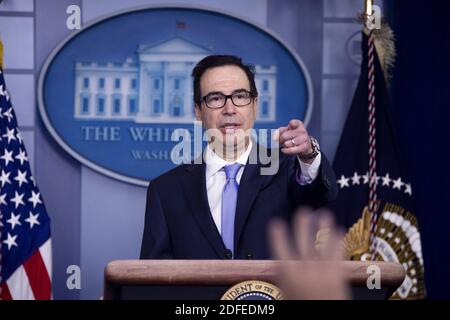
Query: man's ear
<point x="198" y="112"/>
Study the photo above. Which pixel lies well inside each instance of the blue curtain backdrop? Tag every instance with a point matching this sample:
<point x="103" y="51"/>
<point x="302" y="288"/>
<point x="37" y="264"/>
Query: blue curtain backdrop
<point x="420" y="94"/>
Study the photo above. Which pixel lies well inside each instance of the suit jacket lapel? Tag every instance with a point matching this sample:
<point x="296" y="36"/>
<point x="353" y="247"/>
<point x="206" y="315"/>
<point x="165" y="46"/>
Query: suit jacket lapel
<point x="194" y="185"/>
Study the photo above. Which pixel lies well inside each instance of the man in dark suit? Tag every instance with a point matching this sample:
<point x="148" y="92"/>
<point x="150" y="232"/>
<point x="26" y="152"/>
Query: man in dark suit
<point x="219" y="208"/>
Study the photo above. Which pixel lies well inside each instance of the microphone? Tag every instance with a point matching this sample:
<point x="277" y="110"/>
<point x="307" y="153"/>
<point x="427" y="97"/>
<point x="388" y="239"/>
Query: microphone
<point x="228" y="254"/>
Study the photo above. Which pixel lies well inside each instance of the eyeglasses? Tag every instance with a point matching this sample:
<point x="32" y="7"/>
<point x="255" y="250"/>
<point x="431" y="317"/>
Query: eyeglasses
<point x="217" y="100"/>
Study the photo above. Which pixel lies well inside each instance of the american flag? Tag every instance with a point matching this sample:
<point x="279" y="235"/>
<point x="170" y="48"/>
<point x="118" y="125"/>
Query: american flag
<point x="25" y="248"/>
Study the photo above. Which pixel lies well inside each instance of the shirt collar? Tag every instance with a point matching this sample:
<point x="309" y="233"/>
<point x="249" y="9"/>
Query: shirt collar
<point x="215" y="163"/>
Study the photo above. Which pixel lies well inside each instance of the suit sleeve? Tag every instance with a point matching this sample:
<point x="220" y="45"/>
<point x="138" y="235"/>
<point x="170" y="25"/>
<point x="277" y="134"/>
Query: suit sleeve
<point x="321" y="191"/>
<point x="156" y="239"/>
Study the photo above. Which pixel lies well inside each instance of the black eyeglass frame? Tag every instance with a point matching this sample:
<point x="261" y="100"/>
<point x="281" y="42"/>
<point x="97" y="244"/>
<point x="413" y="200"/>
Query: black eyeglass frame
<point x="229" y="96"/>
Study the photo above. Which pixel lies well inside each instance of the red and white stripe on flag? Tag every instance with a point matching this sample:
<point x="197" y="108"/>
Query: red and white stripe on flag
<point x="32" y="280"/>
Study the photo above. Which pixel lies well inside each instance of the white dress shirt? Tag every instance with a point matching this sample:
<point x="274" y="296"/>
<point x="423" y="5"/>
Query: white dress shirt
<point x="216" y="178"/>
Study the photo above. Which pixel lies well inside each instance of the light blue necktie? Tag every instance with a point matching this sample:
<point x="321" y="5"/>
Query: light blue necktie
<point x="229" y="199"/>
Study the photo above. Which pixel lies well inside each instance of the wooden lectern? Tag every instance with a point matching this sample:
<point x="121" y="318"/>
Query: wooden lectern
<point x="210" y="279"/>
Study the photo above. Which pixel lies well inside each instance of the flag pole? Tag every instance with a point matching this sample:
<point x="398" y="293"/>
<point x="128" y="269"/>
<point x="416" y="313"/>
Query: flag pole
<point x="1" y="53"/>
<point x="368" y="8"/>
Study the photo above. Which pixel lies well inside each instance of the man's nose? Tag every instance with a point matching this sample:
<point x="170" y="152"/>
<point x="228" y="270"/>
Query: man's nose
<point x="229" y="107"/>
